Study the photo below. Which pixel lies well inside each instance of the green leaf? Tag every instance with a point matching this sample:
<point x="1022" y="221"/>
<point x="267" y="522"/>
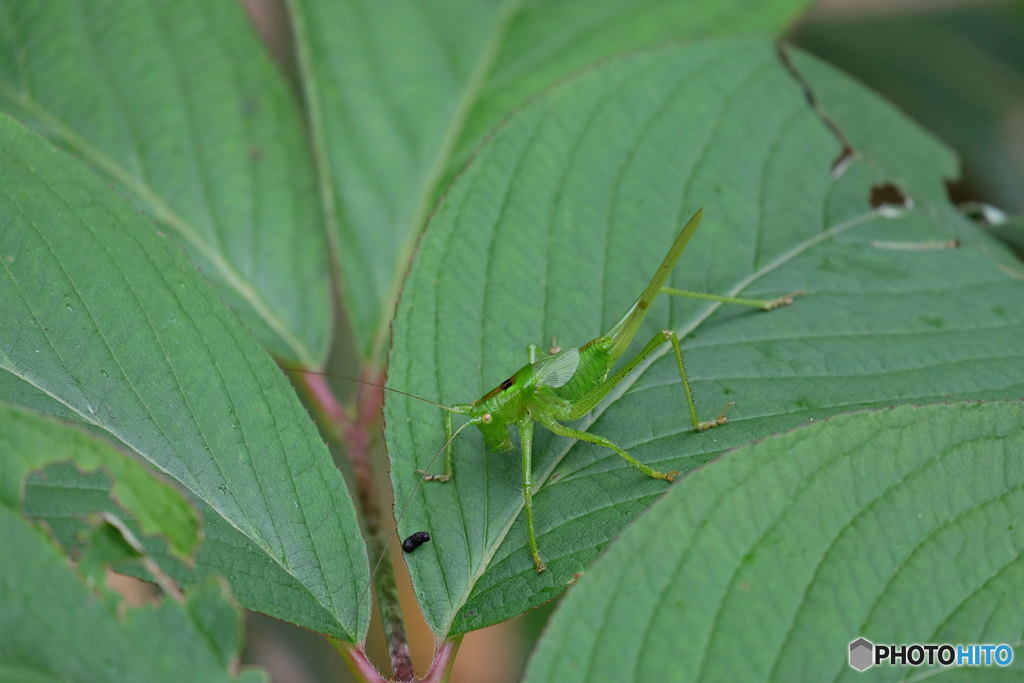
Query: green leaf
<point x="107" y="324"/>
<point x="900" y="526"/>
<point x="558" y="224"/>
<point x="400" y="93"/>
<point x="56" y="628"/>
<point x="179" y="107"/>
<point x="28" y="442"/>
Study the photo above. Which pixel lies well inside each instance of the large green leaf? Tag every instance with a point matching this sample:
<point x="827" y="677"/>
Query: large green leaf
<point x="400" y="92"/>
<point x="58" y="628"/>
<point x="561" y="219"/>
<point x="177" y="104"/>
<point x="900" y="526"/>
<point x="46" y="599"/>
<point x="106" y="323"/>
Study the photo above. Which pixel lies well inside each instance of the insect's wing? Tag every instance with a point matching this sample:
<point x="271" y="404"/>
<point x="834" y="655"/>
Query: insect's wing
<point x="557" y="370"/>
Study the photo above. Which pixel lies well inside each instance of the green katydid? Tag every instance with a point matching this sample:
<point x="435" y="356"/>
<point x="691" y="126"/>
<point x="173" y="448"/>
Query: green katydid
<point x="568" y="384"/>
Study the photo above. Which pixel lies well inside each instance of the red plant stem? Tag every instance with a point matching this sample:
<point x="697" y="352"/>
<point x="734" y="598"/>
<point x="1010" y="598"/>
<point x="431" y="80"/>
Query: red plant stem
<point x="444" y="657"/>
<point x="354" y="655"/>
<point x="354" y="436"/>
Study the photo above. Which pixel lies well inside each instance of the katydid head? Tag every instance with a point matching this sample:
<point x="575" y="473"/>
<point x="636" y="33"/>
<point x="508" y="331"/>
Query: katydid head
<point x="482" y="413"/>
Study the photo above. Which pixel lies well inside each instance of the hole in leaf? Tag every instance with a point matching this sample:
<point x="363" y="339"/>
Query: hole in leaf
<point x="887" y="194"/>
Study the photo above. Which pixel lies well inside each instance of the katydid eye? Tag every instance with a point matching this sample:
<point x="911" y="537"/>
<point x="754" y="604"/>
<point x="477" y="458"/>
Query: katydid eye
<point x="486" y="418"/>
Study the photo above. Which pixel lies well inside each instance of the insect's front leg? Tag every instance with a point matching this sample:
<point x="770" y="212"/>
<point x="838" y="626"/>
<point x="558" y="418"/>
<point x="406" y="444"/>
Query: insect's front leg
<point x="526" y="440"/>
<point x="449" y="434"/>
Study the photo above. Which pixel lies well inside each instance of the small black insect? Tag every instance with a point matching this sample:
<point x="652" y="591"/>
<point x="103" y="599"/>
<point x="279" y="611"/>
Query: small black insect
<point x="415" y="541"/>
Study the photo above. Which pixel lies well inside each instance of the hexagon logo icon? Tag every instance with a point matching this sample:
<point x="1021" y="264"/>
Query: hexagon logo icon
<point x="861" y="654"/>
